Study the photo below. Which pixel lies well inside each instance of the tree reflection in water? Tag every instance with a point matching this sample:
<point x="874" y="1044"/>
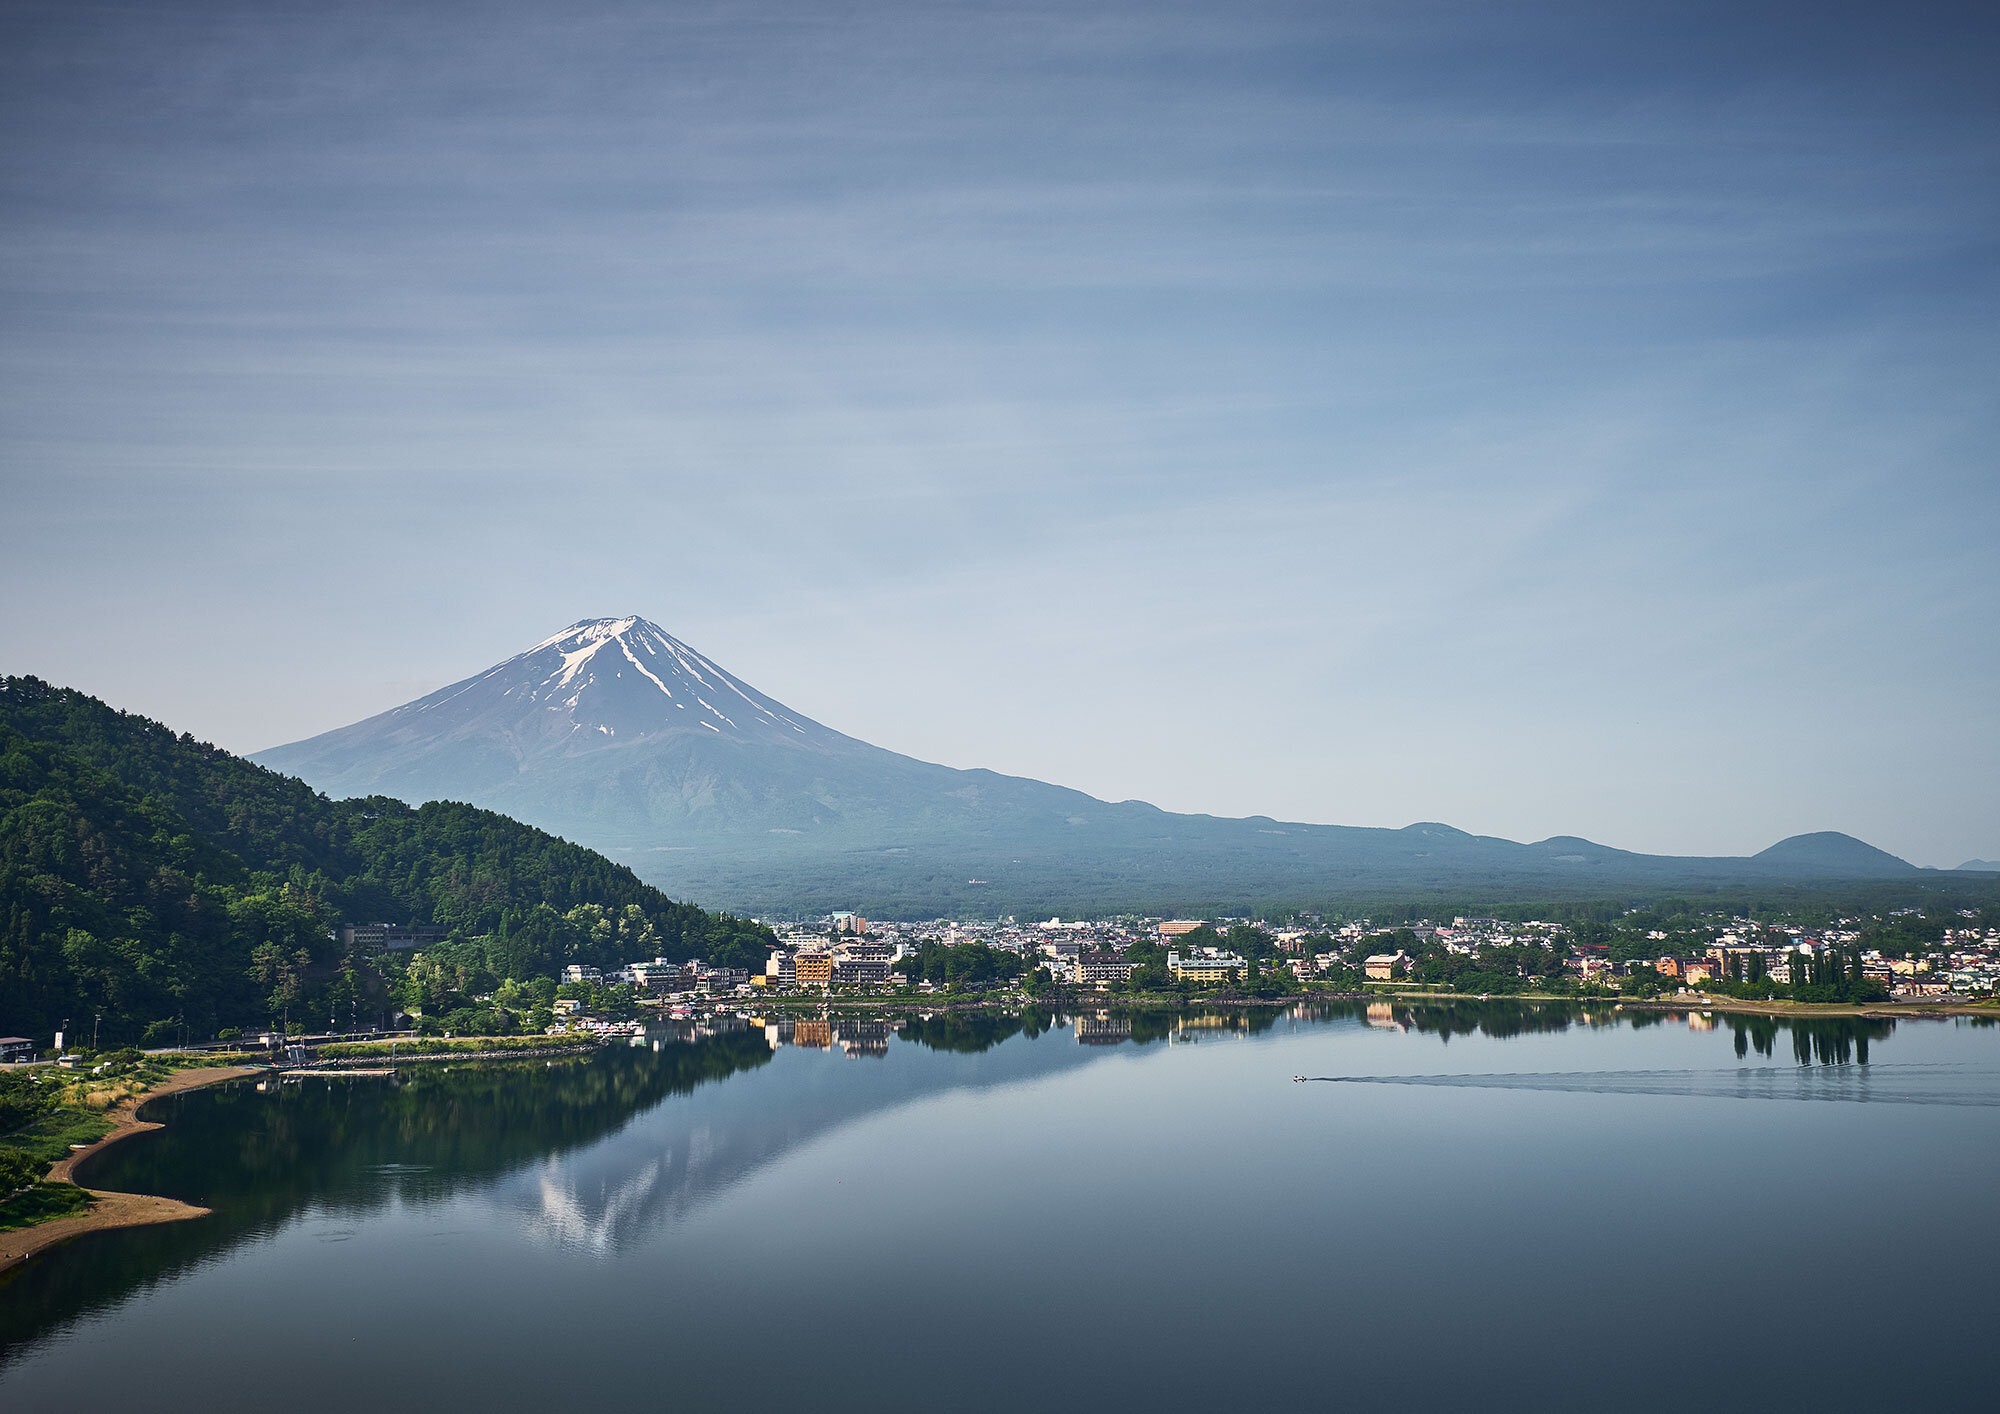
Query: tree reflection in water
<point x="556" y="1143"/>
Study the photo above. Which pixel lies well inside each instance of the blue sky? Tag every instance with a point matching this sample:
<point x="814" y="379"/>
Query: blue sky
<point x="1547" y="418"/>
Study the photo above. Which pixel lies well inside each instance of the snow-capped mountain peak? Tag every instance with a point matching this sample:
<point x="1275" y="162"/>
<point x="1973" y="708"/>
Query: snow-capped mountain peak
<point x="599" y="682"/>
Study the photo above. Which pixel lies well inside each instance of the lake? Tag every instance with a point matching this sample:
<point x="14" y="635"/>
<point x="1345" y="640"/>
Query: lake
<point x="1491" y="1204"/>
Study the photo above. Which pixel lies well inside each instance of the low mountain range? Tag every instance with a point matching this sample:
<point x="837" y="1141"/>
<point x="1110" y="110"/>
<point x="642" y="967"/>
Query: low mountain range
<point x="617" y="735"/>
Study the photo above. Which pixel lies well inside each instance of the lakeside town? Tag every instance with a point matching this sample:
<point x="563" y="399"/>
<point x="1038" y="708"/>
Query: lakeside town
<point x="1900" y="956"/>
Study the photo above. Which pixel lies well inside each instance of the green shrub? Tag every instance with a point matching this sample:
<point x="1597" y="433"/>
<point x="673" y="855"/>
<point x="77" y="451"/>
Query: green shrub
<point x="22" y="1101"/>
<point x="17" y="1171"/>
<point x="41" y="1203"/>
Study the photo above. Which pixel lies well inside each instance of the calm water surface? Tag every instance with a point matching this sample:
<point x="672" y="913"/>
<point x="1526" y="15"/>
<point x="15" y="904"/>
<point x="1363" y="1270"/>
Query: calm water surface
<point x="1514" y="1208"/>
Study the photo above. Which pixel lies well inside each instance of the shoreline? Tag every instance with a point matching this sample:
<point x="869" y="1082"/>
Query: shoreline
<point x="1925" y="1009"/>
<point x="1915" y="1009"/>
<point x="110" y="1209"/>
<point x="499" y="1052"/>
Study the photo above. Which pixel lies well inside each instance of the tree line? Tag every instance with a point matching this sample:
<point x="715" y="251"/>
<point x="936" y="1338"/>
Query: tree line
<point x="153" y="886"/>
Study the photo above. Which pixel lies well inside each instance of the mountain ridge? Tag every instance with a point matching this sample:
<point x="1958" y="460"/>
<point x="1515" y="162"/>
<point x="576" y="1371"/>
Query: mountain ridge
<point x="616" y="733"/>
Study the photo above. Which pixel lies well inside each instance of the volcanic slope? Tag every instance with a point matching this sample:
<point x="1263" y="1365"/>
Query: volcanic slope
<point x="616" y="734"/>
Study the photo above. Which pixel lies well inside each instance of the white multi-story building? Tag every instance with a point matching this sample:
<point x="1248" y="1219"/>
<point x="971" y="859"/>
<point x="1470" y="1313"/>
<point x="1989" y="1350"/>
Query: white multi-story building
<point x="657" y="975"/>
<point x="1206" y="966"/>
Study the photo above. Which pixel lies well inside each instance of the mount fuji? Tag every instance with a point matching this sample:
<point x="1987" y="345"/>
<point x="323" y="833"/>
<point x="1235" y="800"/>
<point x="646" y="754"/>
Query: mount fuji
<point x="614" y="729"/>
<point x="603" y="699"/>
<point x="618" y="735"/>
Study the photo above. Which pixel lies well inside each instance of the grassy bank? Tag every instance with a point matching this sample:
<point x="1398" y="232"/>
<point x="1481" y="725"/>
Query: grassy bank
<point x="457" y="1045"/>
<point x="41" y="1203"/>
<point x="49" y="1138"/>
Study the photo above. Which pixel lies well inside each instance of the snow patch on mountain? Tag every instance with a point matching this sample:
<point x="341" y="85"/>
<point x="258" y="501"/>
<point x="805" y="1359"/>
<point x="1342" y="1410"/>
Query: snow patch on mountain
<point x="644" y="669"/>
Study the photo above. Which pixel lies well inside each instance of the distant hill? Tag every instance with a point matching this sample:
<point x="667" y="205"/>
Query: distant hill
<point x="1830" y="852"/>
<point x="1981" y="866"/>
<point x="616" y="733"/>
<point x="141" y="871"/>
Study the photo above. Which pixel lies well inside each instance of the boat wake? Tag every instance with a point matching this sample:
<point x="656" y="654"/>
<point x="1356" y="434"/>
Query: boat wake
<point x="1871" y="1084"/>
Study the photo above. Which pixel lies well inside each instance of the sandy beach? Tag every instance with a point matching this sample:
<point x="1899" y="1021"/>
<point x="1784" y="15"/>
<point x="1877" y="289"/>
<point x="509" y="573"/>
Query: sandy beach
<point x="114" y="1210"/>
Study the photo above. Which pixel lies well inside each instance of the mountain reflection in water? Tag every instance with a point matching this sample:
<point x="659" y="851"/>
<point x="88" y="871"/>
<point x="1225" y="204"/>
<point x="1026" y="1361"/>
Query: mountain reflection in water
<point x="596" y="1154"/>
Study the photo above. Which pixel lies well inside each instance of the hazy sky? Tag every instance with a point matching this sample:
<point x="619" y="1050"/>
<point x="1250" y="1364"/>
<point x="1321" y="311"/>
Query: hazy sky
<point x="1546" y="418"/>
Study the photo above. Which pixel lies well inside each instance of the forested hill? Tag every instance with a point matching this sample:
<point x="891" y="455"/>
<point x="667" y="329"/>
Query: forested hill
<point x="160" y="880"/>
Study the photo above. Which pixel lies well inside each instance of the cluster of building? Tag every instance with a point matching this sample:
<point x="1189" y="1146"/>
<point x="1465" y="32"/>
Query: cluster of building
<point x="1967" y="971"/>
<point x="1966" y="963"/>
<point x="572" y="1020"/>
<point x="661" y="977"/>
<point x="855" y="952"/>
<point x="1969" y="961"/>
<point x="812" y="962"/>
<point x="845" y="951"/>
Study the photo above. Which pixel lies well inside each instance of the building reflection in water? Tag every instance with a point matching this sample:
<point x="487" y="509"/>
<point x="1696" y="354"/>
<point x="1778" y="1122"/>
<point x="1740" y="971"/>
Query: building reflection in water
<point x="1103" y="1029"/>
<point x="1383" y="1016"/>
<point x="853" y="1035"/>
<point x="1197" y="1028"/>
<point x="862" y="1038"/>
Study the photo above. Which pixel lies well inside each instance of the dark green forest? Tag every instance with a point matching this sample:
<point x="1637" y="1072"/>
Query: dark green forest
<point x="174" y="889"/>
